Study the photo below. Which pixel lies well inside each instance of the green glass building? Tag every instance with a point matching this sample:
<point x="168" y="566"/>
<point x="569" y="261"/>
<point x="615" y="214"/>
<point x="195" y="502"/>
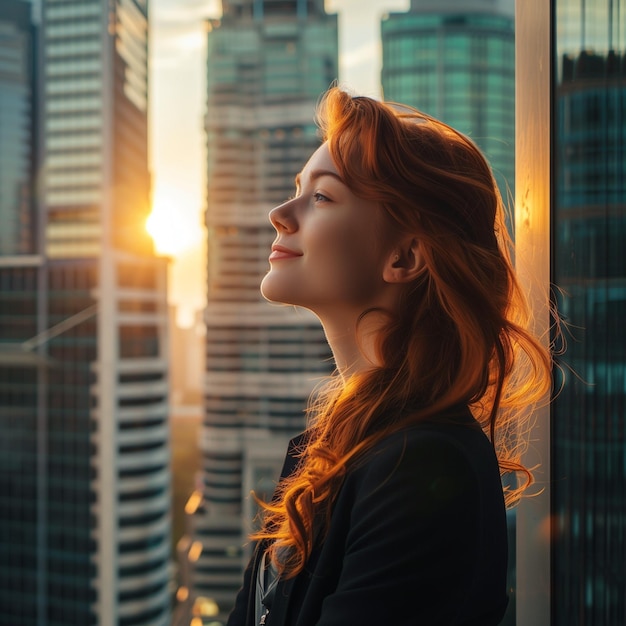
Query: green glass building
<point x="589" y="266"/>
<point x="455" y="60"/>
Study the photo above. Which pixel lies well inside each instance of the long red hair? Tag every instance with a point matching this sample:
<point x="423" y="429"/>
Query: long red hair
<point x="460" y="335"/>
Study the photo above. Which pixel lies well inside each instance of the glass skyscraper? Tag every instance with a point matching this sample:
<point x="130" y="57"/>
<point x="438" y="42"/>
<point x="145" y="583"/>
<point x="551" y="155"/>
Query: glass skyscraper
<point x="571" y="206"/>
<point x="268" y="63"/>
<point x="21" y="277"/>
<point x="85" y="517"/>
<point x="455" y="60"/>
<point x="589" y="266"/>
<point x="17" y="129"/>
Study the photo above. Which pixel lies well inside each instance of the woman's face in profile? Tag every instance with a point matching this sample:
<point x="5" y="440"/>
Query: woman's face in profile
<point x="330" y="246"/>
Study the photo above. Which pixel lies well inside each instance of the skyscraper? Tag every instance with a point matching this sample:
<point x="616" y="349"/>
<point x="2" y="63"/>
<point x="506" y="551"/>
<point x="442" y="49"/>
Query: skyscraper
<point x="21" y="275"/>
<point x="455" y="59"/>
<point x="268" y="63"/>
<point x="572" y="203"/>
<point x="589" y="265"/>
<point x="89" y="479"/>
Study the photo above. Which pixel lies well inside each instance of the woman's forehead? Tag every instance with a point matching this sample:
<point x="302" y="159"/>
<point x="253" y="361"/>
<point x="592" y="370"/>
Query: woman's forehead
<point x="319" y="164"/>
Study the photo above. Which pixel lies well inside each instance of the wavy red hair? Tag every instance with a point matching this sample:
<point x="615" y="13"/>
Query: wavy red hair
<point x="461" y="335"/>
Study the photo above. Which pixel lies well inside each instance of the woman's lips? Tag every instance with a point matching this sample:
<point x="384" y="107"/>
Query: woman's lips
<point x="280" y="252"/>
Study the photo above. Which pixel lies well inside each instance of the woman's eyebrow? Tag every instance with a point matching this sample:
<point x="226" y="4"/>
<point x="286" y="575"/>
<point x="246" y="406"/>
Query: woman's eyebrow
<point x="315" y="174"/>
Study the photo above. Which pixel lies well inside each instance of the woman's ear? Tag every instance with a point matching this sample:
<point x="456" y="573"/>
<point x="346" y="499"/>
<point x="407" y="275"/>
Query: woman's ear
<point x="405" y="262"/>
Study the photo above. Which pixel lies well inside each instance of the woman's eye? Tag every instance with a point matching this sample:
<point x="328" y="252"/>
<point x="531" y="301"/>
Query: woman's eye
<point x="320" y="197"/>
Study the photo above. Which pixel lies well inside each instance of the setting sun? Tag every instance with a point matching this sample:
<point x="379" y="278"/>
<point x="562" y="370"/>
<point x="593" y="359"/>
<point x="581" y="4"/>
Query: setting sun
<point x="173" y="229"/>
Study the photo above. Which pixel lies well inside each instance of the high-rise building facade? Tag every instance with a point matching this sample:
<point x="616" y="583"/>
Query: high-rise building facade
<point x="589" y="266"/>
<point x="572" y="204"/>
<point x="17" y="129"/>
<point x="21" y="274"/>
<point x="455" y="60"/>
<point x="92" y="474"/>
<point x="268" y="63"/>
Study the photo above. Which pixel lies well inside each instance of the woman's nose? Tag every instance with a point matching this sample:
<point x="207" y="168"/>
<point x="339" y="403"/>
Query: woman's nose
<point x="282" y="217"/>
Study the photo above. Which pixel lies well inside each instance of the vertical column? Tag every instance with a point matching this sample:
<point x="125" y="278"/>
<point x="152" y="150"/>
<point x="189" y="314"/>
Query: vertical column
<point x="532" y="225"/>
<point x="42" y="449"/>
<point x="106" y="384"/>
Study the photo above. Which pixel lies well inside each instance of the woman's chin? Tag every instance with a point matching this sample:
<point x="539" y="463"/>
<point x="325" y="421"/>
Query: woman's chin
<point x="271" y="291"/>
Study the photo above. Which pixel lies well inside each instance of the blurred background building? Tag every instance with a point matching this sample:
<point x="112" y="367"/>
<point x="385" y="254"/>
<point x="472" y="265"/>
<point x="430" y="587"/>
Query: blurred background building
<point x="268" y="62"/>
<point x="21" y="277"/>
<point x="589" y="267"/>
<point x="85" y="513"/>
<point x="455" y="60"/>
<point x="18" y="130"/>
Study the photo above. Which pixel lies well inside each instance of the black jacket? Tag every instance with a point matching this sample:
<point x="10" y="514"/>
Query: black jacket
<point x="417" y="537"/>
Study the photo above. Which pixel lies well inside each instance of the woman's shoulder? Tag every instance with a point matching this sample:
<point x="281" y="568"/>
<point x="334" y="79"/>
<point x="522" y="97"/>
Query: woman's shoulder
<point x="454" y="427"/>
<point x="449" y="448"/>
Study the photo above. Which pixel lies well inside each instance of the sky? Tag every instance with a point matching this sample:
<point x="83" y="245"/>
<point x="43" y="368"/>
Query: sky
<point x="177" y="97"/>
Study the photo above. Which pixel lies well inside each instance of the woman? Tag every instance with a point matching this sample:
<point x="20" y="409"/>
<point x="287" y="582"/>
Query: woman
<point x="391" y="510"/>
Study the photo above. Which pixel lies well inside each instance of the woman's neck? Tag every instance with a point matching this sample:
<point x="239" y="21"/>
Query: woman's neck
<point x="355" y="343"/>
